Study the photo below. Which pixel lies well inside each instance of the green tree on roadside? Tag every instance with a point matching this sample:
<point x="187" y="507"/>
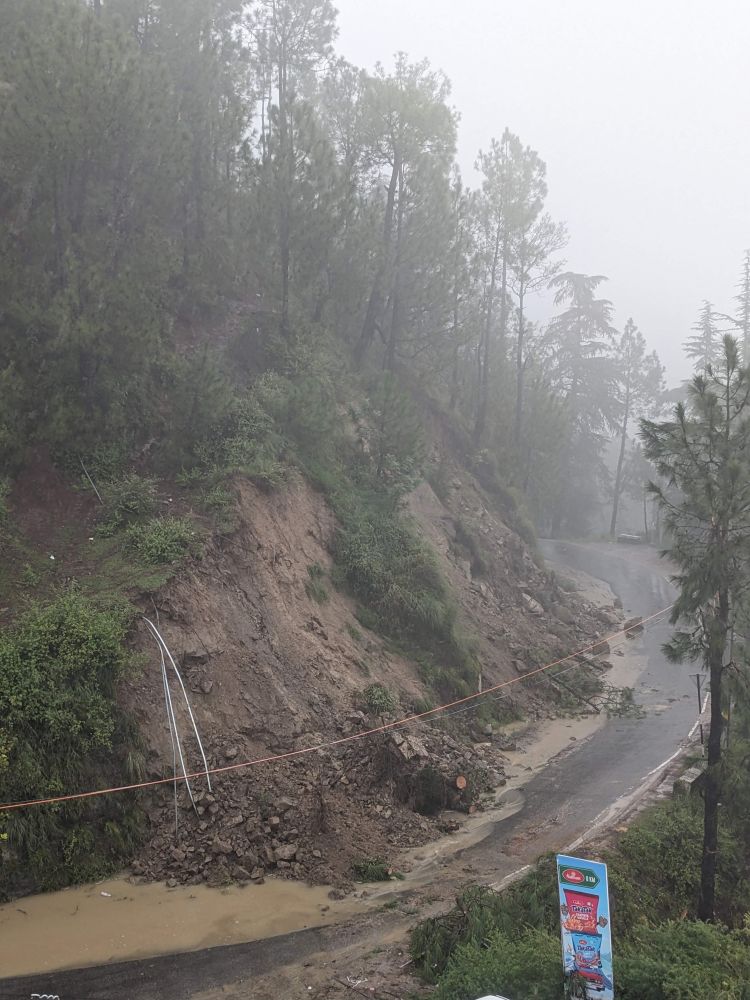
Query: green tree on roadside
<point x="639" y="381"/>
<point x="701" y="457"/>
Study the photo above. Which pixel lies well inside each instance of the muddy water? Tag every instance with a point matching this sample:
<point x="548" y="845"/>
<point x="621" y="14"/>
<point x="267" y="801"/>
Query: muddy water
<point x="116" y="921"/>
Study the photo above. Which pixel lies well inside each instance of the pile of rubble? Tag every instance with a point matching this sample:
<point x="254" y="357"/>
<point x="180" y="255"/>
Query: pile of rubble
<point x="313" y="816"/>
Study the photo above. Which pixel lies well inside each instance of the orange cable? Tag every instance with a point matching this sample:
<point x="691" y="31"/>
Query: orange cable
<point x="10" y="806"/>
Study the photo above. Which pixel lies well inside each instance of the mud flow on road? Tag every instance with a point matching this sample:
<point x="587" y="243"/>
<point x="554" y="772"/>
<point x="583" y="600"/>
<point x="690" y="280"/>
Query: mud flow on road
<point x="565" y="776"/>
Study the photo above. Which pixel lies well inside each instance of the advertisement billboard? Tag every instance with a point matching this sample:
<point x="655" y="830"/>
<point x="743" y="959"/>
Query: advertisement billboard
<point x="585" y="924"/>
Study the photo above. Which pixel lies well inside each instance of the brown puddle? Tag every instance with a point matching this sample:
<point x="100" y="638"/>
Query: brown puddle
<point x="83" y="926"/>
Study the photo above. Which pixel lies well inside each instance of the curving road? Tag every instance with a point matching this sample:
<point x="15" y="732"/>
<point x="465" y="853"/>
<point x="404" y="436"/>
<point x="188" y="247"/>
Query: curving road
<point x="561" y="803"/>
<point x="565" y="800"/>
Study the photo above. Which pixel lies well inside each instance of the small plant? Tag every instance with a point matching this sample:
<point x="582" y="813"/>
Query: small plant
<point x="353" y="631"/>
<point x="162" y="539"/>
<point x="373" y="870"/>
<point x="217" y="498"/>
<point x="30" y="578"/>
<point x="126" y="501"/>
<point x="378" y="700"/>
<point x="314" y="586"/>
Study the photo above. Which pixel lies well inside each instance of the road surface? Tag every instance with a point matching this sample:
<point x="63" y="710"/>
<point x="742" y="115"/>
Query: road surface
<point x="561" y="803"/>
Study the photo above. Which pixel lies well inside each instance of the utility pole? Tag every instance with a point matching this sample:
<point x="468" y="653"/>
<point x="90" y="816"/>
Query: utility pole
<point x="699" y="682"/>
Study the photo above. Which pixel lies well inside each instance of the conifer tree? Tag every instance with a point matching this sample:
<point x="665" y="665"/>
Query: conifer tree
<point x="701" y="456"/>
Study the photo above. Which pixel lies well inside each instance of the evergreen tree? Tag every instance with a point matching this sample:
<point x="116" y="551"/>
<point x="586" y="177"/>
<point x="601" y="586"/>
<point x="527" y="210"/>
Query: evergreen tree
<point x="640" y="378"/>
<point x="743" y="308"/>
<point x="701" y="454"/>
<point x="704" y="348"/>
<point x="514" y="187"/>
<point x="579" y="345"/>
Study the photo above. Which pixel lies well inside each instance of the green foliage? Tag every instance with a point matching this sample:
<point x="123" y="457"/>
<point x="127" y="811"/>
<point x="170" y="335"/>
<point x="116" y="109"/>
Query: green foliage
<point x="162" y="539"/>
<point x="314" y="587"/>
<point x="372" y="870"/>
<point x="353" y="632"/>
<point x="526" y="965"/>
<point x="61" y="731"/>
<point x="530" y="902"/>
<point x="684" y="960"/>
<point x="126" y="500"/>
<point x="654" y="875"/>
<point x="391" y="433"/>
<point x="378" y="700"/>
<point x="393" y="572"/>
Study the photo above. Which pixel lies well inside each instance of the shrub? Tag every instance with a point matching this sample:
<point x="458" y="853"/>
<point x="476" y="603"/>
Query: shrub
<point x="685" y="960"/>
<point x="378" y="700"/>
<point x="61" y="731"/>
<point x="527" y="965"/>
<point x="353" y="631"/>
<point x="162" y="539"/>
<point x="126" y="501"/>
<point x="372" y="870"/>
<point x="314" y="586"/>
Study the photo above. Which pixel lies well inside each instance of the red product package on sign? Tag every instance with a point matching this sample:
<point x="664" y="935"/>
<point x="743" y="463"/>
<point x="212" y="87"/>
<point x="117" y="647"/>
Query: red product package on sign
<point x="582" y="909"/>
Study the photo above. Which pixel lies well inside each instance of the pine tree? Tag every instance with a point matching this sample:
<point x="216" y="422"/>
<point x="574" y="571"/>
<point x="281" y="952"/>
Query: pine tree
<point x="640" y="379"/>
<point x="743" y="308"/>
<point x="701" y="455"/>
<point x="704" y="348"/>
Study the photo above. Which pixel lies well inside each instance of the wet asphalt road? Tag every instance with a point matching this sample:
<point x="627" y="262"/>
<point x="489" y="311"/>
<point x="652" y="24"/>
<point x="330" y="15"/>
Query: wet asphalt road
<point x="564" y="799"/>
<point x="561" y="803"/>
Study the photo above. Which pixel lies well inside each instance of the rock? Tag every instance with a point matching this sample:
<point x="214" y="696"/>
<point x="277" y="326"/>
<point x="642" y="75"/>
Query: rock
<point x="171" y="883"/>
<point x="284" y="805"/>
<point x="274" y="822"/>
<point x="316" y="854"/>
<point x="286" y="852"/>
<point x="219" y="846"/>
<point x="409" y="747"/>
<point x="178" y="855"/>
<point x="601" y="649"/>
<point x="563" y="614"/>
<point x="257" y="874"/>
<point x="633" y="626"/>
<point x="531" y="605"/>
<point x="231" y="753"/>
<point x="207" y="685"/>
<point x="241" y="874"/>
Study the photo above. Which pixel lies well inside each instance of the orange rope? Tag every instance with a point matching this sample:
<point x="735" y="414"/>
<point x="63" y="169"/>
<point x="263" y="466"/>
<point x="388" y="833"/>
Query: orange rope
<point x="9" y="806"/>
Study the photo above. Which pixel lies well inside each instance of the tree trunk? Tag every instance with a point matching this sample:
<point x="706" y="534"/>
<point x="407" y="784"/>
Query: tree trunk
<point x="374" y="303"/>
<point x="484" y="381"/>
<point x="285" y="193"/>
<point x="519" y="370"/>
<point x="712" y="793"/>
<point x="620" y="462"/>
<point x="394" y="334"/>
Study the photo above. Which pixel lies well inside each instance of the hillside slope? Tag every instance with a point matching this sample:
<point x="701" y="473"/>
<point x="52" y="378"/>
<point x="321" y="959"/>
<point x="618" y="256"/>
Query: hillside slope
<point x="271" y="670"/>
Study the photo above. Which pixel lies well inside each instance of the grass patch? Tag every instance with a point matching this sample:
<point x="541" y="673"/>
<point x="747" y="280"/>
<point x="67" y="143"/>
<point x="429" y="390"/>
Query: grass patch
<point x="126" y="500"/>
<point x="314" y="587"/>
<point x="162" y="539"/>
<point x="373" y="870"/>
<point x="378" y="700"/>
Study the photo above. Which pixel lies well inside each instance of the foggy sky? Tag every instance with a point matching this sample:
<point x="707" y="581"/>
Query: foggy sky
<point x="638" y="107"/>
